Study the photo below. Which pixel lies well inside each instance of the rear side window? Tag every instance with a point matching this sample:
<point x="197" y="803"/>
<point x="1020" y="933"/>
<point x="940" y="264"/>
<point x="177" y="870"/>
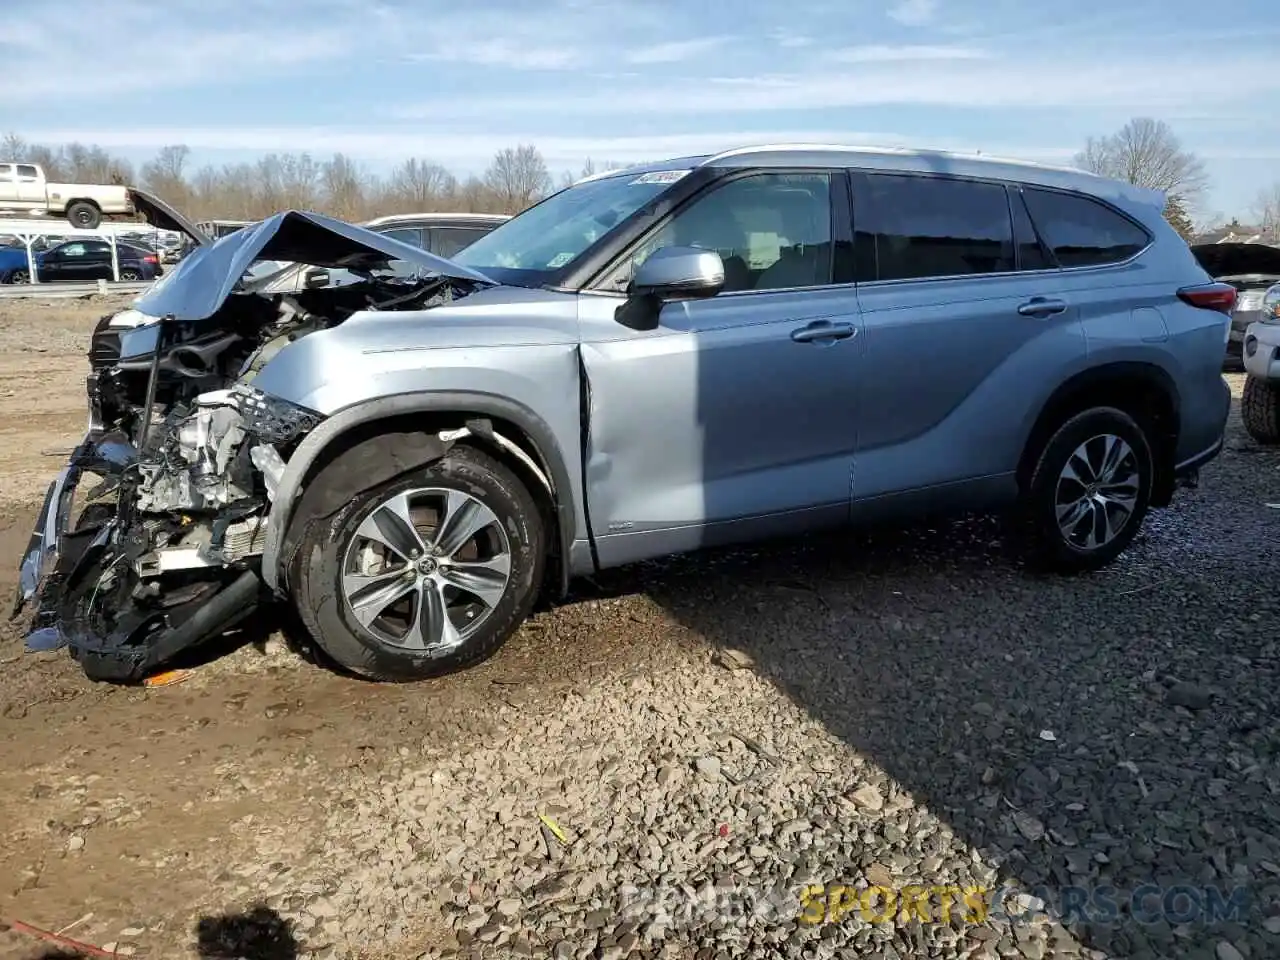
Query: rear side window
<point x="909" y="227"/>
<point x="1083" y="232"/>
<point x="27" y="172"/>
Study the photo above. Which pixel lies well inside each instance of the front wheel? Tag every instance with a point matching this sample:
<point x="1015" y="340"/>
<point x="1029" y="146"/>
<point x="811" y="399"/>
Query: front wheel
<point x="1088" y="492"/>
<point x="19" y="276"/>
<point x="425" y="574"/>
<point x="1260" y="410"/>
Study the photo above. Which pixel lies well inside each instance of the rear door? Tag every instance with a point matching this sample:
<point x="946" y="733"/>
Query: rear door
<point x="962" y="309"/>
<point x="30" y="184"/>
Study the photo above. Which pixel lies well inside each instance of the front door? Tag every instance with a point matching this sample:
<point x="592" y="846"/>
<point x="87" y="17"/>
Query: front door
<point x="738" y="416"/>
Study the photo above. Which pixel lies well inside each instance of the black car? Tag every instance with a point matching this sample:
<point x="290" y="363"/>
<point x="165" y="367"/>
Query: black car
<point x="87" y="260"/>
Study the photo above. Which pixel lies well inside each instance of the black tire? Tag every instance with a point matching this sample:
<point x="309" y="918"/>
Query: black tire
<point x="1041" y="540"/>
<point x="18" y="276"/>
<point x="84" y="215"/>
<point x="130" y="276"/>
<point x="1260" y="410"/>
<point x="316" y="576"/>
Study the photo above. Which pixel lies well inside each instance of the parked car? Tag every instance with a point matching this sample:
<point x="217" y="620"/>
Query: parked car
<point x="14" y="266"/>
<point x="84" y="260"/>
<point x="706" y="351"/>
<point x="24" y="187"/>
<point x="1260" y="404"/>
<point x="1249" y="267"/>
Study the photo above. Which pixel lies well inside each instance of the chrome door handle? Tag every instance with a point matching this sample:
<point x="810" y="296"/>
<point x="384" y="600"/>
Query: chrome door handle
<point x="1042" y="307"/>
<point x="823" y="330"/>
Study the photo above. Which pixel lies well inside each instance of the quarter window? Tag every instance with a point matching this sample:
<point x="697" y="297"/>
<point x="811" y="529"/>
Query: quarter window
<point x="772" y="230"/>
<point x="910" y="227"/>
<point x="1083" y="232"/>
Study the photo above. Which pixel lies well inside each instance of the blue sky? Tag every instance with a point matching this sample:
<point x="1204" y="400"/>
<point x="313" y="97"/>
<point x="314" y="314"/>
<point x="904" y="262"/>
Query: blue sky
<point x="382" y="80"/>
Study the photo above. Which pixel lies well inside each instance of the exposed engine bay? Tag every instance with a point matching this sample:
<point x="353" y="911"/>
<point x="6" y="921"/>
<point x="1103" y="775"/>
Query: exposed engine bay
<point x="163" y="551"/>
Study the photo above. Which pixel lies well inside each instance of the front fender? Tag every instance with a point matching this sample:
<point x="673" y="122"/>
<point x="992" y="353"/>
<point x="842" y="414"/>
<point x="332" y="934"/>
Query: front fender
<point x="566" y="482"/>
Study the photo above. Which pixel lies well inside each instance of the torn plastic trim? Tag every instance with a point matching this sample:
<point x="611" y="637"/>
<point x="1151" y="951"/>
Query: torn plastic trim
<point x="483" y="429"/>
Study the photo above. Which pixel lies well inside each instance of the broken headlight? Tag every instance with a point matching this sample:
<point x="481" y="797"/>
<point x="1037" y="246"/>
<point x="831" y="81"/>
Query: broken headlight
<point x="271" y="419"/>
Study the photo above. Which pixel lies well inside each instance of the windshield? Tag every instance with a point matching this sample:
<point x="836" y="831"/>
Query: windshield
<point x="528" y="248"/>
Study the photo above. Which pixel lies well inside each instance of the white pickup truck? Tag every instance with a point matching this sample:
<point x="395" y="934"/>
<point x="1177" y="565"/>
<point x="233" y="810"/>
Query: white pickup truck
<point x="25" y="189"/>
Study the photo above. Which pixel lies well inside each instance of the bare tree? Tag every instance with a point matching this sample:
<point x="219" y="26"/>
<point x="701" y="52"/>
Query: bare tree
<point x="164" y="176"/>
<point x="1267" y="210"/>
<point x="12" y="147"/>
<point x="1147" y="153"/>
<point x="421" y="185"/>
<point x="518" y="176"/>
<point x="343" y="188"/>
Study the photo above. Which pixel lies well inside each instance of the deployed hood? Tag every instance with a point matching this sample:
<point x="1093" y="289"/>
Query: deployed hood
<point x="159" y="214"/>
<point x="1238" y="259"/>
<point x="199" y="285"/>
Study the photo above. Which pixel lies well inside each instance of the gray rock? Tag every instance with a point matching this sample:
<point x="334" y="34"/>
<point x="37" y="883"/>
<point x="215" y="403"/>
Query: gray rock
<point x="1189" y="695"/>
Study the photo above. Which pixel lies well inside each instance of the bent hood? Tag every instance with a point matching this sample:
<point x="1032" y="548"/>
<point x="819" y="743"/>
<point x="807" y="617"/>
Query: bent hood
<point x="159" y="214"/>
<point x="1237" y="259"/>
<point x="201" y="283"/>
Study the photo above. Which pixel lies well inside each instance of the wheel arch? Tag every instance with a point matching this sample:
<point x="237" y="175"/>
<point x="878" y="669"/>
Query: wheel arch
<point x="402" y="431"/>
<point x="1146" y="391"/>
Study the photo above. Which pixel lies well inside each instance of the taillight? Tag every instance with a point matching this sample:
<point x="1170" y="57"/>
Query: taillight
<point x="1210" y="296"/>
<point x="150" y="259"/>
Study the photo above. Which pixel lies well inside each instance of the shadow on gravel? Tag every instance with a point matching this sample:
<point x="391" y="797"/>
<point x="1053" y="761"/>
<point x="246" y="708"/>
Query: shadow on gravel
<point x="1117" y="730"/>
<point x="257" y="934"/>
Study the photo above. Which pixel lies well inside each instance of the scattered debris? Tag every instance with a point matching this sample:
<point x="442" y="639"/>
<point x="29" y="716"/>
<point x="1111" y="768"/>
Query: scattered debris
<point x="732" y="659"/>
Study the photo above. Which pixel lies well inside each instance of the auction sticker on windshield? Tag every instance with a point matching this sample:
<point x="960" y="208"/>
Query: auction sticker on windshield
<point x="660" y="176"/>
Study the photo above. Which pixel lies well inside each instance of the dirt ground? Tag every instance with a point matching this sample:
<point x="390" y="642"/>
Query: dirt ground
<point x="109" y="795"/>
<point x="156" y="819"/>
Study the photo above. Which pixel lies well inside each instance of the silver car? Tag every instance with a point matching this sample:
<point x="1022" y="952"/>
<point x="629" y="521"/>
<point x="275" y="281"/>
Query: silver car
<point x="705" y="351"/>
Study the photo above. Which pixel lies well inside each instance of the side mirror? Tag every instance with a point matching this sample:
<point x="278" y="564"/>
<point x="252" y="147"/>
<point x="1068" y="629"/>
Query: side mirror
<point x="673" y="273"/>
<point x="316" y="277"/>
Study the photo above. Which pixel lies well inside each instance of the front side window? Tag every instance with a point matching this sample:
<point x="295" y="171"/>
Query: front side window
<point x="530" y="248"/>
<point x="771" y="230"/>
<point x="71" y="250"/>
<point x="449" y="241"/>
<point x="1083" y="232"/>
<point x="914" y="227"/>
<point x="6" y="172"/>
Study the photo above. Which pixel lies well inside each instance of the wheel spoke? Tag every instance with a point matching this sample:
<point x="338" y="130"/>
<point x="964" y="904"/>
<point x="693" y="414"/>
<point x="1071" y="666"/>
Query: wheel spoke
<point x="463" y="518"/>
<point x="1079" y="469"/>
<point x="370" y="597"/>
<point x="431" y="628"/>
<point x="485" y="580"/>
<point x="391" y="526"/>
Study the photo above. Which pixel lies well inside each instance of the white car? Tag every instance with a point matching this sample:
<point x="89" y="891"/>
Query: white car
<point x="1260" y="407"/>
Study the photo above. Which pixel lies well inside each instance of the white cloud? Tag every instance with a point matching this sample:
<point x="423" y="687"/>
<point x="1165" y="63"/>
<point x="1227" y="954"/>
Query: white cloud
<point x="504" y="52"/>
<point x="880" y="53"/>
<point x="1106" y="85"/>
<point x="914" y="13"/>
<point x="674" y="51"/>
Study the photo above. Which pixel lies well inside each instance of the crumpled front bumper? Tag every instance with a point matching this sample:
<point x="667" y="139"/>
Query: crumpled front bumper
<point x="107" y="455"/>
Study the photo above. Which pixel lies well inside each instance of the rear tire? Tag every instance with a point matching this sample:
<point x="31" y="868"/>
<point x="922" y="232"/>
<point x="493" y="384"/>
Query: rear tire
<point x="130" y="276"/>
<point x="18" y="276"/>
<point x="361" y="598"/>
<point x="1260" y="410"/>
<point x="84" y="215"/>
<point x="1087" y="494"/>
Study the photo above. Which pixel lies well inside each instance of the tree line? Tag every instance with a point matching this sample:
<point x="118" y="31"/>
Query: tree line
<point x="1145" y="152"/>
<point x="515" y="178"/>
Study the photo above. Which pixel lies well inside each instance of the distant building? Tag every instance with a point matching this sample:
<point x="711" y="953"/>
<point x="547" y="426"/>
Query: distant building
<point x="1237" y="232"/>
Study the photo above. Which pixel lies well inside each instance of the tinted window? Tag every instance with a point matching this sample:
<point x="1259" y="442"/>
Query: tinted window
<point x="6" y="171"/>
<point x="1031" y="252"/>
<point x="913" y="227"/>
<point x="26" y="170"/>
<point x="409" y="235"/>
<point x="1082" y="232"/>
<point x="446" y="241"/>
<point x="772" y="230"/>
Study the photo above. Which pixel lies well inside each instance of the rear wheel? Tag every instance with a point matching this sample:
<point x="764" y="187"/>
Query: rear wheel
<point x="130" y="276"/>
<point x="425" y="574"/>
<point x="84" y="215"/>
<point x="1087" y="493"/>
<point x="19" y="276"/>
<point x="1260" y="410"/>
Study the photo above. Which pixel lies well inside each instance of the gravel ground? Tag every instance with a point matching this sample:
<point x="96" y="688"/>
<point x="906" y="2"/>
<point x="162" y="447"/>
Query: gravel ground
<point x="714" y="736"/>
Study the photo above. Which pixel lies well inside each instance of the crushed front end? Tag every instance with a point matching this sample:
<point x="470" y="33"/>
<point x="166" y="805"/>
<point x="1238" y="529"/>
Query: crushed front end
<point x="150" y="538"/>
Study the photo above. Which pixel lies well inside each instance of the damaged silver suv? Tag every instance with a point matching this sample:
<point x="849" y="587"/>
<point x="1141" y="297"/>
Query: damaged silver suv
<point x="704" y="351"/>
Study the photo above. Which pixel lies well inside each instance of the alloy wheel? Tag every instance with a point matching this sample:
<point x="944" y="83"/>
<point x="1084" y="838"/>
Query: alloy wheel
<point x="425" y="569"/>
<point x="1097" y="492"/>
